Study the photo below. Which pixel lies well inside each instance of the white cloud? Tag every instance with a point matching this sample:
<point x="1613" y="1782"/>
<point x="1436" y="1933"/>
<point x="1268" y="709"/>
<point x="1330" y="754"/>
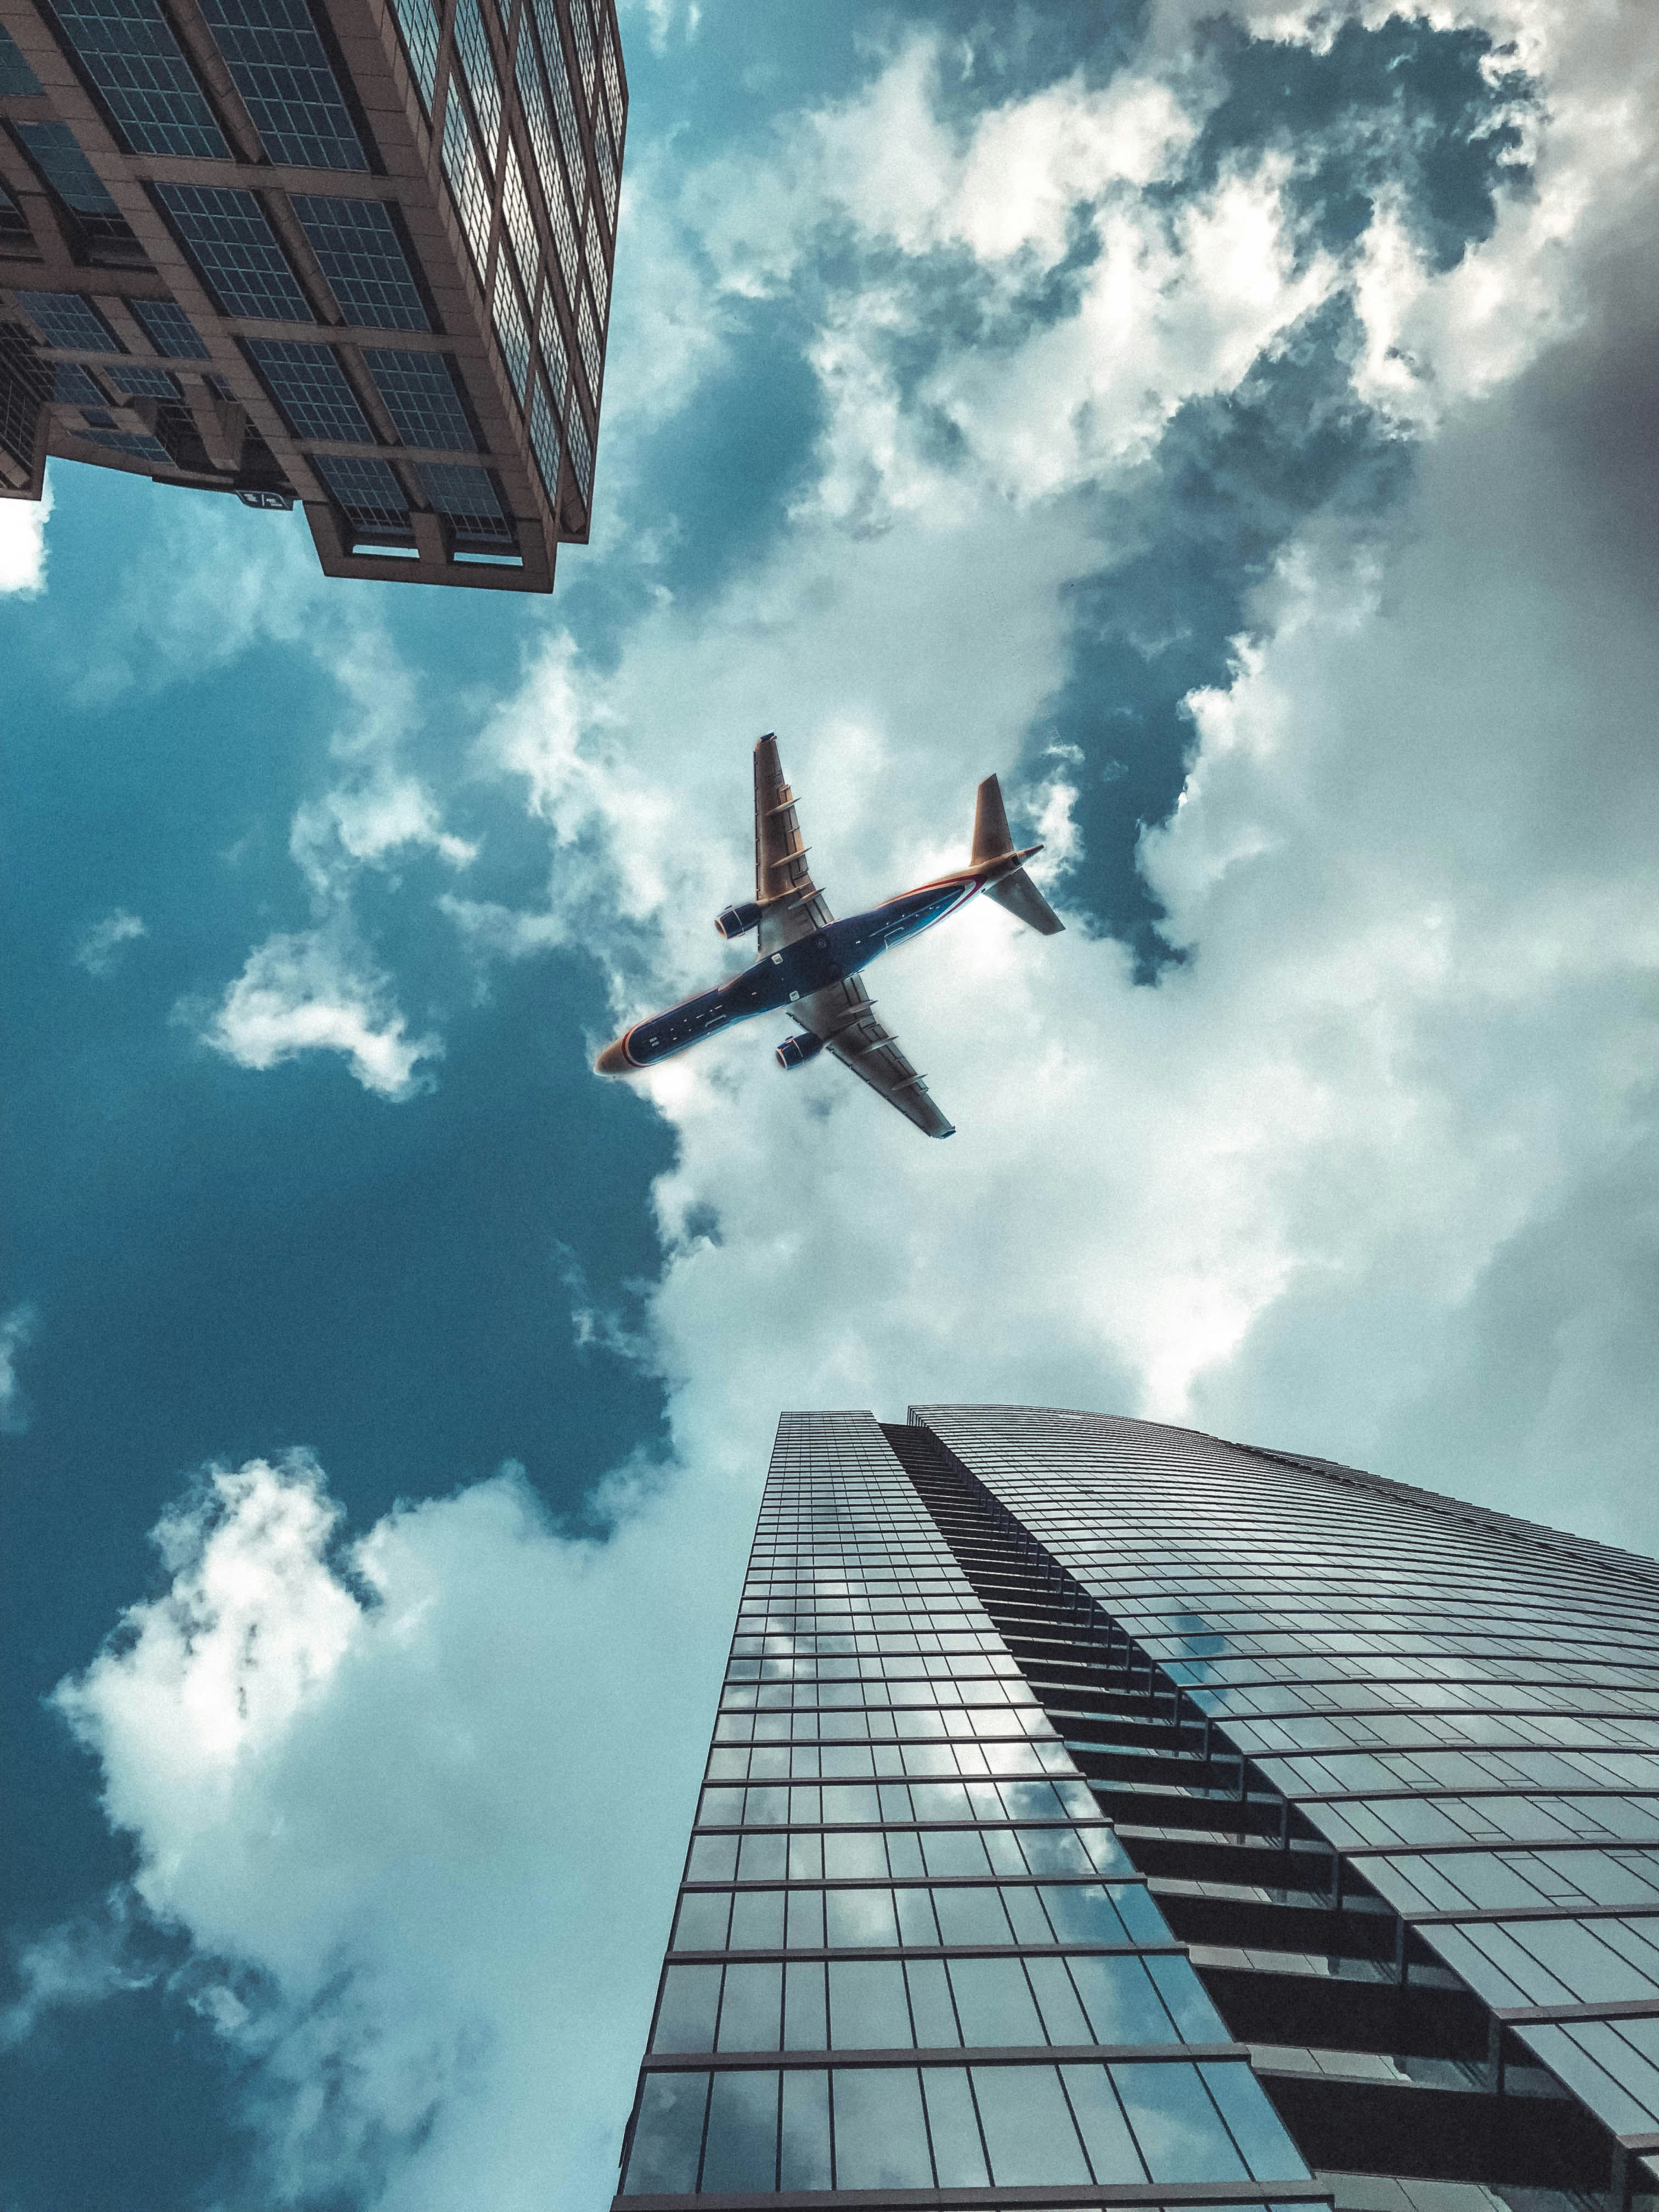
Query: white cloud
<point x="17" y="1328"/>
<point x="370" y="1787"/>
<point x="23" y="544"/>
<point x="318" y="991"/>
<point x="100" y="950"/>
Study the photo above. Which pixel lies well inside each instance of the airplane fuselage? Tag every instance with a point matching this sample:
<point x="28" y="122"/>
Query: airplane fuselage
<point x="810" y="964"/>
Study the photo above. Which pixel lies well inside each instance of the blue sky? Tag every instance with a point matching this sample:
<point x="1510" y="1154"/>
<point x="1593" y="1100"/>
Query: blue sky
<point x="1234" y="426"/>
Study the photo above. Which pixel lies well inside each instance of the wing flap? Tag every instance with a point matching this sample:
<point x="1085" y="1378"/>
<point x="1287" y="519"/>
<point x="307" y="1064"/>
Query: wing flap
<point x="794" y="907"/>
<point x="844" y="1016"/>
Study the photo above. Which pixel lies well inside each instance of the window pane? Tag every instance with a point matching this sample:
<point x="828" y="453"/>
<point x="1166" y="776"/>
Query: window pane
<point x="954" y="1850"/>
<point x="1181" y="1989"/>
<point x="1027" y="2128"/>
<point x="881" y="2141"/>
<point x="758" y="1920"/>
<point x="957" y="2150"/>
<point x="714" y="1858"/>
<point x="859" y="1857"/>
<point x="742" y="2149"/>
<point x="806" y="1920"/>
<point x="1062" y="2015"/>
<point x="867" y="2007"/>
<point x="1082" y="1913"/>
<point x="1178" y="2130"/>
<point x="1256" y="2129"/>
<point x="1054" y="1851"/>
<point x="971" y="1916"/>
<point x="994" y="2003"/>
<point x="805" y="2154"/>
<point x="804" y="2023"/>
<point x="1121" y="2002"/>
<point x="1105" y="2134"/>
<point x="701" y="1923"/>
<point x="1024" y="1909"/>
<point x="763" y="1858"/>
<point x="859" y="1918"/>
<point x="685" y="2020"/>
<point x="915" y="1916"/>
<point x="904" y="1855"/>
<point x="667" y="2136"/>
<point x="751" y="2009"/>
<point x="930" y="2005"/>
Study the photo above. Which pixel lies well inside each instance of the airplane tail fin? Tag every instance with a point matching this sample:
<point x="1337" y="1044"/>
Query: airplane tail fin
<point x="1020" y="897"/>
<point x="991" y="838"/>
<point x="1015" y="892"/>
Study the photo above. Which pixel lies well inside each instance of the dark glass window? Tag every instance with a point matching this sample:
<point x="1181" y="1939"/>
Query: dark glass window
<point x="367" y="491"/>
<point x="71" y="383"/>
<point x="357" y="245"/>
<point x="64" y="318"/>
<point x="1101" y="2123"/>
<point x="235" y="248"/>
<point x="881" y="2136"/>
<point x="141" y="383"/>
<point x="741" y="2149"/>
<point x="420" y="393"/>
<point x="544" y="441"/>
<point x="128" y="50"/>
<point x="1177" y="2127"/>
<point x="690" y="2001"/>
<point x="58" y="154"/>
<point x="280" y="66"/>
<point x="751" y="2007"/>
<point x="804" y="2161"/>
<point x="957" y="2152"/>
<point x="868" y="2008"/>
<point x="308" y="384"/>
<point x="17" y="79"/>
<point x="138" y="445"/>
<point x="169" y="329"/>
<point x="667" y="2136"/>
<point x="1028" y="2126"/>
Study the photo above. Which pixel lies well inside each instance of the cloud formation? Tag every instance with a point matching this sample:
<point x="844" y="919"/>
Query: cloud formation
<point x="100" y="950"/>
<point x="319" y="990"/>
<point x="23" y="544"/>
<point x="17" y="1328"/>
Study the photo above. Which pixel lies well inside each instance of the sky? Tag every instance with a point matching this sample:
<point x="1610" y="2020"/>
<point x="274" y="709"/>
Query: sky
<point x="1235" y="425"/>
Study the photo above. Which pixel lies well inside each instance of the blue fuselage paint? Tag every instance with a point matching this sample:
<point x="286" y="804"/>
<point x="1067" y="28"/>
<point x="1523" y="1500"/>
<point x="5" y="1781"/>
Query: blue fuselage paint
<point x="811" y="963"/>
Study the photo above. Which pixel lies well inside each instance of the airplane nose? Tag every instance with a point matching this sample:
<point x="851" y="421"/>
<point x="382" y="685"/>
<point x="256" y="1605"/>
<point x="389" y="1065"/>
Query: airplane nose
<point x="614" y="1061"/>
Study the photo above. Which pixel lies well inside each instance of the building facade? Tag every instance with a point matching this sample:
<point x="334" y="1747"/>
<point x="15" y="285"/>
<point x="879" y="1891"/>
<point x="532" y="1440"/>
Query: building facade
<point x="355" y="254"/>
<point x="1100" y="1812"/>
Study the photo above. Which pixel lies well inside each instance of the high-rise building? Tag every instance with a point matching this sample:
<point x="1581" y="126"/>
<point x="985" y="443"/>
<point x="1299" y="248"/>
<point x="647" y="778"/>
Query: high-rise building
<point x="349" y="252"/>
<point x="1100" y="1813"/>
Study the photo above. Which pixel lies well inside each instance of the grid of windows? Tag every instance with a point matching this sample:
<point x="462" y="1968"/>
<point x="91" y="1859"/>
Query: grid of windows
<point x="465" y="178"/>
<point x="128" y="50"/>
<point x="137" y="445"/>
<point x="72" y="385"/>
<point x="227" y="236"/>
<point x="1418" y="1683"/>
<point x="479" y="71"/>
<point x="310" y="386"/>
<point x="68" y="319"/>
<point x="359" y="252"/>
<point x="138" y="382"/>
<point x="17" y="79"/>
<point x="564" y="106"/>
<point x="544" y="440"/>
<point x="909" y="1952"/>
<point x="280" y="68"/>
<point x="418" y="21"/>
<point x="169" y="329"/>
<point x="56" y="153"/>
<point x="556" y="361"/>
<point x="511" y="329"/>
<point x="421" y="397"/>
<point x="520" y="228"/>
<point x="368" y="492"/>
<point x="467" y="497"/>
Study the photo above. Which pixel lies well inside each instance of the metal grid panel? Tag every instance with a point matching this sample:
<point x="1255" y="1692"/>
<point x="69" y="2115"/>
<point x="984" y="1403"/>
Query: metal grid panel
<point x="57" y="153"/>
<point x="359" y="252"/>
<point x="420" y="395"/>
<point x="417" y="21"/>
<point x="17" y="79"/>
<point x="466" y="496"/>
<point x="235" y="248"/>
<point x="169" y="329"/>
<point x="280" y="68"/>
<point x="512" y="331"/>
<point x="138" y="382"/>
<point x="69" y="320"/>
<point x="127" y="49"/>
<point x="308" y="384"/>
<point x="464" y="175"/>
<point x="368" y="492"/>
<point x="479" y="71"/>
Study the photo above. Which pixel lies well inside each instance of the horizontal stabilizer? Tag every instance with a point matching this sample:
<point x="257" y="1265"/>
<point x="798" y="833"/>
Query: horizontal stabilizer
<point x="1020" y="896"/>
<point x="991" y="838"/>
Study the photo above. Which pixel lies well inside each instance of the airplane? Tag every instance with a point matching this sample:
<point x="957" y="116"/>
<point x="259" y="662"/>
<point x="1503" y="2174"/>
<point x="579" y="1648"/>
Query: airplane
<point x="809" y="963"/>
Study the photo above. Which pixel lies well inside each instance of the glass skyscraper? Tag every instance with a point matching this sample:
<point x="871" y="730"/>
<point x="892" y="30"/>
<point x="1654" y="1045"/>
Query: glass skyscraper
<point x="353" y="254"/>
<point x="1100" y="1813"/>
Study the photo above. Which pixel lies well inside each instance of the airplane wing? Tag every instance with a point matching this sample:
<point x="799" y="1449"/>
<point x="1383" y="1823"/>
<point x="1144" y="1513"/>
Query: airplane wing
<point x="794" y="907"/>
<point x="843" y="1015"/>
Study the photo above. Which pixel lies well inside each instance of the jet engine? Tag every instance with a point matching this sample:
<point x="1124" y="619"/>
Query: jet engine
<point x="738" y="920"/>
<point x="796" y="1051"/>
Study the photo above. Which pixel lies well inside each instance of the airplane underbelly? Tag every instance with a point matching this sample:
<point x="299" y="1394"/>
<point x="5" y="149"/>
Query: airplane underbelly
<point x="699" y="1018"/>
